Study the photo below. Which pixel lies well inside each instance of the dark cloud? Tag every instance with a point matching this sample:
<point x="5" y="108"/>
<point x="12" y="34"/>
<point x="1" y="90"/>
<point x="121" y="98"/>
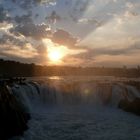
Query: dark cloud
<point x="28" y="4"/>
<point x="64" y="38"/>
<point x="73" y="17"/>
<point x="41" y="31"/>
<point x="78" y="9"/>
<point x="44" y="1"/>
<point x="31" y="30"/>
<point x="11" y="40"/>
<point x="53" y="17"/>
<point x="67" y="2"/>
<point x="81" y="6"/>
<point x="84" y="6"/>
<point x="24" y="19"/>
<point x="73" y="11"/>
<point x="36" y="15"/>
<point x="24" y="4"/>
<point x="3" y="15"/>
<point x="75" y="8"/>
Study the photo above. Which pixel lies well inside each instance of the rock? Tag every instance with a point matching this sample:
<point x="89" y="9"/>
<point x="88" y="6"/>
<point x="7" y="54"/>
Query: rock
<point x="128" y="106"/>
<point x="13" y="120"/>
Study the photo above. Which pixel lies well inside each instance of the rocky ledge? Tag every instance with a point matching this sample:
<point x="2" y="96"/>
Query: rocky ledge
<point x="13" y="118"/>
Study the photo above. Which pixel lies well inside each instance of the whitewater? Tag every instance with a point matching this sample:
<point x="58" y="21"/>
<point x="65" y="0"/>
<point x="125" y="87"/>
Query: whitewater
<point x="77" y="109"/>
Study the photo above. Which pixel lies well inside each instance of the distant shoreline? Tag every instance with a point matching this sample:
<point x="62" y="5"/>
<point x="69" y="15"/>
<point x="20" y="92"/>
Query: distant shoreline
<point x="17" y="69"/>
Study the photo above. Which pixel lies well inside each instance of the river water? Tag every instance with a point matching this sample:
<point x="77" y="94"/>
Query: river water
<point x="75" y="115"/>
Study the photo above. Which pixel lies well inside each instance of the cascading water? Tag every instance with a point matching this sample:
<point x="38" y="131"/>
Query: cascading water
<point x="70" y="94"/>
<point x="78" y="110"/>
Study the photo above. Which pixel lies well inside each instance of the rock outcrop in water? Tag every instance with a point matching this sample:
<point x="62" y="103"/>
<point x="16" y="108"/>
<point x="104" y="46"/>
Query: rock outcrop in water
<point x="130" y="106"/>
<point x="13" y="119"/>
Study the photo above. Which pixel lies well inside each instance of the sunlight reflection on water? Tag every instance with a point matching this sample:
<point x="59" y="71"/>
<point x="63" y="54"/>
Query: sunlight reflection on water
<point x="55" y="78"/>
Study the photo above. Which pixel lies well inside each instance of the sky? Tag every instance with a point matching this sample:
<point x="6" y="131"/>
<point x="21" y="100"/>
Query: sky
<point x="71" y="32"/>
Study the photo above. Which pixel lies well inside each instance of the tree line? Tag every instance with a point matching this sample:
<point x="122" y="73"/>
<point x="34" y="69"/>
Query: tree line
<point x="10" y="68"/>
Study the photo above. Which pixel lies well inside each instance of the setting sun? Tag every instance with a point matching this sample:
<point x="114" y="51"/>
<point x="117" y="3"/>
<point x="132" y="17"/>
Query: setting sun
<point x="55" y="55"/>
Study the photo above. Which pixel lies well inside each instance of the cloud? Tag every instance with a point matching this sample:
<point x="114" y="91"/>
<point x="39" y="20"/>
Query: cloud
<point x="120" y="31"/>
<point x="77" y="8"/>
<point x="3" y="15"/>
<point x="11" y="40"/>
<point x="108" y="28"/>
<point x="31" y="30"/>
<point x="114" y="51"/>
<point x="81" y="5"/>
<point x="26" y="52"/>
<point x="24" y="19"/>
<point x="85" y="58"/>
<point x="15" y="51"/>
<point x="53" y="17"/>
<point x="28" y="4"/>
<point x="63" y="37"/>
<point x="45" y="1"/>
<point x="90" y="53"/>
<point x="130" y="14"/>
<point x="21" y="49"/>
<point x="90" y="21"/>
<point x="109" y="56"/>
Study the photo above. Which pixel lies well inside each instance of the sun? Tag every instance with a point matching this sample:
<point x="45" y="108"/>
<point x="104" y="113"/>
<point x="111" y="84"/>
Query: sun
<point x="55" y="55"/>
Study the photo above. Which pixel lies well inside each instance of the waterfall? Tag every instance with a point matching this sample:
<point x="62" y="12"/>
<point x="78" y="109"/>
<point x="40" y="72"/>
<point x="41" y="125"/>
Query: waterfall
<point x="117" y="95"/>
<point x="133" y="92"/>
<point x="71" y="106"/>
<point x="88" y="93"/>
<point x="27" y="94"/>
